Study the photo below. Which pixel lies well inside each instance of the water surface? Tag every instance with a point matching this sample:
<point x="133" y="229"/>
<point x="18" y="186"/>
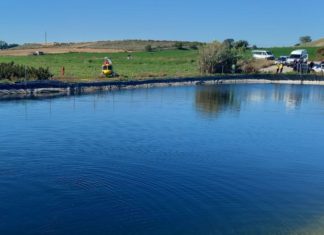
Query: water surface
<point x="226" y="159"/>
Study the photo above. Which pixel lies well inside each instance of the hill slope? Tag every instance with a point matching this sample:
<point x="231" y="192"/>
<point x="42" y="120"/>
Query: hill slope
<point x="317" y="43"/>
<point x="99" y="47"/>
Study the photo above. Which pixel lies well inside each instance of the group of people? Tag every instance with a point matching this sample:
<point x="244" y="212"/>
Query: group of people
<point x="302" y="67"/>
<point x="299" y="66"/>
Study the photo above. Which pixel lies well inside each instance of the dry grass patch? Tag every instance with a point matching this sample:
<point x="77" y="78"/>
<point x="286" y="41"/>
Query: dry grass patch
<point x="254" y="66"/>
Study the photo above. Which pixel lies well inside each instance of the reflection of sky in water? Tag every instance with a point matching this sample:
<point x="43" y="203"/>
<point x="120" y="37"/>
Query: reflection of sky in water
<point x="227" y="159"/>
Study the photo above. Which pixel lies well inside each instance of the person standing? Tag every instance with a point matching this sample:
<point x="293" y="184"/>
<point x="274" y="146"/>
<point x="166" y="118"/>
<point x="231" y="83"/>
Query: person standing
<point x="278" y="68"/>
<point x="310" y="66"/>
<point x="295" y="66"/>
<point x="281" y="67"/>
<point x="233" y="68"/>
<point x="63" y="71"/>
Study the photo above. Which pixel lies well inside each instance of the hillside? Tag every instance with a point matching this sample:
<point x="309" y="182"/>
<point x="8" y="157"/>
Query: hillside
<point x="317" y="43"/>
<point x="99" y="47"/>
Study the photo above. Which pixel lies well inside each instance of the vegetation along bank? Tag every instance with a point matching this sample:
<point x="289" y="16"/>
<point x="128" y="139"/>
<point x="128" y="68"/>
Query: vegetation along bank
<point x="190" y="62"/>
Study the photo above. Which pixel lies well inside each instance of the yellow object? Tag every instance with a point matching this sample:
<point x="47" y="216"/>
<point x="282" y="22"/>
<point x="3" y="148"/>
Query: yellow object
<point x="281" y="66"/>
<point x="107" y="70"/>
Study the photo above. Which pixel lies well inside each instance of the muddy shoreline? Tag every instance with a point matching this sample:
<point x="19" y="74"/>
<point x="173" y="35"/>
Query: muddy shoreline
<point x="51" y="88"/>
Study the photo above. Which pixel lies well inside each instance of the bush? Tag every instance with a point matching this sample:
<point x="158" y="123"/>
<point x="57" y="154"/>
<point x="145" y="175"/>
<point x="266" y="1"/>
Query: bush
<point x="194" y="46"/>
<point x="251" y="65"/>
<point x="148" y="48"/>
<point x="320" y="53"/>
<point x="11" y="71"/>
<point x="178" y="45"/>
<point x="216" y="58"/>
<point x="248" y="66"/>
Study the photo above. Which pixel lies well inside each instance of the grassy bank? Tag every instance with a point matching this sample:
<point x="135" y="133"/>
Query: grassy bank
<point x="87" y="66"/>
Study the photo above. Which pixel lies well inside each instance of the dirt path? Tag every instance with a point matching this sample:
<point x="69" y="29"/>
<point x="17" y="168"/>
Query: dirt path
<point x="273" y="69"/>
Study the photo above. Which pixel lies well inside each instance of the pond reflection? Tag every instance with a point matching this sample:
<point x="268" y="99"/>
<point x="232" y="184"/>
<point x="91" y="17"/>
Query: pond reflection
<point x="214" y="100"/>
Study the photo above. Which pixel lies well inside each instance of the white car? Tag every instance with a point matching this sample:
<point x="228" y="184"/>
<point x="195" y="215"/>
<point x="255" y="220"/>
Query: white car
<point x="261" y="54"/>
<point x="282" y="60"/>
<point x="318" y="68"/>
<point x="300" y="55"/>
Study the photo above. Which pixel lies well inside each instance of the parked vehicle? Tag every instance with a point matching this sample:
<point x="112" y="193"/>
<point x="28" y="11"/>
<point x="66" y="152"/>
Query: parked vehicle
<point x="300" y="55"/>
<point x="281" y="60"/>
<point x="261" y="54"/>
<point x="37" y="53"/>
<point x="318" y="68"/>
<point x="107" y="69"/>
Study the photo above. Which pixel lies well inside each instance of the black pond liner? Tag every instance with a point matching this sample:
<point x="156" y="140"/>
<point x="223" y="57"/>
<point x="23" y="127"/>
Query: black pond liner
<point x="77" y="88"/>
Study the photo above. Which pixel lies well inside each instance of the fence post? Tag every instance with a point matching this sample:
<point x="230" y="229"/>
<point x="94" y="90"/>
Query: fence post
<point x="25" y="75"/>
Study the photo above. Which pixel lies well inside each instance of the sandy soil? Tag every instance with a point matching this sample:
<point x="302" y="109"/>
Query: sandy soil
<point x="273" y="69"/>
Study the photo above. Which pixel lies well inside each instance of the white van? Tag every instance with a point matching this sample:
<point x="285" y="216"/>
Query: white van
<point x="260" y="54"/>
<point x="298" y="55"/>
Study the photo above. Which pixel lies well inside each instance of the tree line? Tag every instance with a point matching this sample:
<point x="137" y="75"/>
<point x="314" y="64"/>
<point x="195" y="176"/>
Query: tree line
<point x="4" y="45"/>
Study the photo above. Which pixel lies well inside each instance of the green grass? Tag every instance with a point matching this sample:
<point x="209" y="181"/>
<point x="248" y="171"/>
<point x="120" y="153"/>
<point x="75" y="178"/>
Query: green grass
<point x="167" y="63"/>
<point x="87" y="66"/>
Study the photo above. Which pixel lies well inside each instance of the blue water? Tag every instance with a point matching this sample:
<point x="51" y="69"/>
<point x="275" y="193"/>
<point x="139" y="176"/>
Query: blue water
<point x="226" y="159"/>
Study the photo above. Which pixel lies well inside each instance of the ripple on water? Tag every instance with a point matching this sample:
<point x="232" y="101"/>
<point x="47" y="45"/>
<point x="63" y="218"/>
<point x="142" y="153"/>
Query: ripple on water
<point x="165" y="161"/>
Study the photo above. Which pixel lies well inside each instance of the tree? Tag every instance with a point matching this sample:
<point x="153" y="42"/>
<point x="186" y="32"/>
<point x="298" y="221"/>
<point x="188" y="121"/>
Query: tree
<point x="241" y="44"/>
<point x="305" y="39"/>
<point x="229" y="42"/>
<point x="216" y="58"/>
<point x="3" y="45"/>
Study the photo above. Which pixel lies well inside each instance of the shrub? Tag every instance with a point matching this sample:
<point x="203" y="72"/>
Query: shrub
<point x="194" y="46"/>
<point x="320" y="53"/>
<point x="216" y="58"/>
<point x="247" y="66"/>
<point x="148" y="48"/>
<point x="178" y="45"/>
<point x="251" y="65"/>
<point x="11" y="71"/>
